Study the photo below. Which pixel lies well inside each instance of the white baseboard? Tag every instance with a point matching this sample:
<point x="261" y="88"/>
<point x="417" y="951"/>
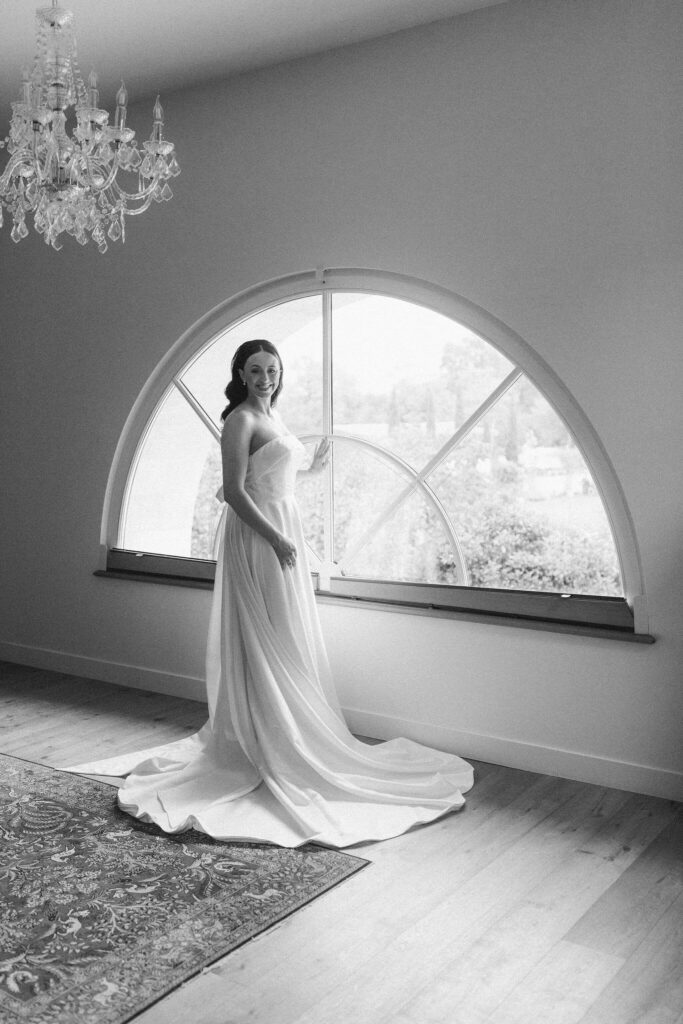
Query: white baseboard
<point x="568" y="764"/>
<point x="105" y="671"/>
<point x="531" y="757"/>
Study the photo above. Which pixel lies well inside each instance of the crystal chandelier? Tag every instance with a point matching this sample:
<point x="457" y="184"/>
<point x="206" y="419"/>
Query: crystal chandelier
<point x="71" y="181"/>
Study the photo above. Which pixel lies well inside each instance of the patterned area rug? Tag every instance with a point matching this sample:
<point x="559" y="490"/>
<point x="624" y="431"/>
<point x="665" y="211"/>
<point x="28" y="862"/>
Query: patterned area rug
<point x="102" y="915"/>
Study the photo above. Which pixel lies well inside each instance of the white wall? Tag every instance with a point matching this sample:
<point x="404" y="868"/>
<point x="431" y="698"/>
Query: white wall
<point x="527" y="157"/>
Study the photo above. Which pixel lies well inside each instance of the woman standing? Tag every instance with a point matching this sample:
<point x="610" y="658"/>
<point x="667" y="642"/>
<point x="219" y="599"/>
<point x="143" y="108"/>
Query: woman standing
<point x="276" y="762"/>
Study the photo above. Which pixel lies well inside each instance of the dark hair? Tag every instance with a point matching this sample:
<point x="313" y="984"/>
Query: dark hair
<point x="236" y="390"/>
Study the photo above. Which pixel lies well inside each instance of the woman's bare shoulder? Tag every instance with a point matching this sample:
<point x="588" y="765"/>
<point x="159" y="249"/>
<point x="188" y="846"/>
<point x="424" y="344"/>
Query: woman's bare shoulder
<point x="238" y="426"/>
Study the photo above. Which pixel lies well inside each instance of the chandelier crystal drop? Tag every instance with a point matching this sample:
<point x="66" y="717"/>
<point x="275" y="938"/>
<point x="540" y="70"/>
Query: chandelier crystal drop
<point x="73" y="180"/>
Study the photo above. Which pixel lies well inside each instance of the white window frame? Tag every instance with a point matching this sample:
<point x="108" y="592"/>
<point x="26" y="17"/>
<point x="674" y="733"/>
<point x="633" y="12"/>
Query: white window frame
<point x="614" y="616"/>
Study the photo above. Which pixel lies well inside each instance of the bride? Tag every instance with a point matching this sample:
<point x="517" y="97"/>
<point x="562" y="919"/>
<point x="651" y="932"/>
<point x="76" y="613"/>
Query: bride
<point x="275" y="762"/>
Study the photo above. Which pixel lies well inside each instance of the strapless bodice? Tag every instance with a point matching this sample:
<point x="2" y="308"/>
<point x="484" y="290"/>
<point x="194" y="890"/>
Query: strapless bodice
<point x="272" y="469"/>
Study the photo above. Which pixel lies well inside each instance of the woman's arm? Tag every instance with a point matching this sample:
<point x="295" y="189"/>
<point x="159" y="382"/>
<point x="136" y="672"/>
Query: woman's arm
<point x="235" y="444"/>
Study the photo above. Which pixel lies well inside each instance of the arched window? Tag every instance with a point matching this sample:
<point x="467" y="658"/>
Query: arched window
<point x="462" y="473"/>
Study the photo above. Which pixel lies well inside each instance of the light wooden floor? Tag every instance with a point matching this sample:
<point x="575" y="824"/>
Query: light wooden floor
<point x="543" y="902"/>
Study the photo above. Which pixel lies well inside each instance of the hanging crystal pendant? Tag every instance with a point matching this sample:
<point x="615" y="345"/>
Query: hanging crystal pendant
<point x="74" y="182"/>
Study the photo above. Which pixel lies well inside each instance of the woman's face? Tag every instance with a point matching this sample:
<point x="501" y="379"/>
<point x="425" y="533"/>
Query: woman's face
<point x="261" y="374"/>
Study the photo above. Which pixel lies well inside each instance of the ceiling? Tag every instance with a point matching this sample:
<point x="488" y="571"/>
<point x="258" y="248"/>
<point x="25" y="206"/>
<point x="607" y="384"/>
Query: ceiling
<point x="161" y="45"/>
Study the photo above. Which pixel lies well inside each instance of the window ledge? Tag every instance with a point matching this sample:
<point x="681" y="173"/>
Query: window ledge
<point x="492" y="618"/>
<point x="196" y="582"/>
<point x="205" y="582"/>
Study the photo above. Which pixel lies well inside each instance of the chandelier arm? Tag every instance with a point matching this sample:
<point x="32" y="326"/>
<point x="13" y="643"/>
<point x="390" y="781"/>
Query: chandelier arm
<point x="133" y="211"/>
<point x="101" y="168"/>
<point x="146" y="193"/>
<point x="16" y="160"/>
<point x="94" y="168"/>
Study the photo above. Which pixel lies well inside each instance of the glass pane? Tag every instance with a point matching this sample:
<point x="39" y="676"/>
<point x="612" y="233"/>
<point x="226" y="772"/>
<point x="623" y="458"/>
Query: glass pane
<point x="404" y="376"/>
<point x="177" y="462"/>
<point x="364" y="486"/>
<point x="310" y="498"/>
<point x="409" y="547"/>
<point x="524" y="505"/>
<point x="295" y="328"/>
<point x="207" y="509"/>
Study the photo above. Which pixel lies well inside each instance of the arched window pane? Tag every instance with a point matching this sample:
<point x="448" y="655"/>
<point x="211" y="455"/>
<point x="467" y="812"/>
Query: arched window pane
<point x="364" y="485"/>
<point x="405" y="376"/>
<point x="311" y="501"/>
<point x="207" y="508"/>
<point x="301" y="402"/>
<point x="524" y="505"/>
<point x="159" y="511"/>
<point x="410" y="546"/>
<point x="295" y="328"/>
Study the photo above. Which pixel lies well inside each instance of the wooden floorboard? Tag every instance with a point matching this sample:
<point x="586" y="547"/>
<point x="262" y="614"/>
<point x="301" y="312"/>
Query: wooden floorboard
<point x="621" y="919"/>
<point x="649" y="987"/>
<point x="543" y="900"/>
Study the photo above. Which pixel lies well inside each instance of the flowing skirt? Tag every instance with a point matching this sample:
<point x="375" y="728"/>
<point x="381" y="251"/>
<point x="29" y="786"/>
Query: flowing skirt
<point x="276" y="762"/>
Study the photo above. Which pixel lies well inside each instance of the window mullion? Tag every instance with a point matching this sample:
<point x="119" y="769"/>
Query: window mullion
<point x="470" y="423"/>
<point x="197" y="407"/>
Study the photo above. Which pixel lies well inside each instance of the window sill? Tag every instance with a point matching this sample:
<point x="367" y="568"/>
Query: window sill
<point x="491" y="618"/>
<point x="203" y="580"/>
<point x="170" y="580"/>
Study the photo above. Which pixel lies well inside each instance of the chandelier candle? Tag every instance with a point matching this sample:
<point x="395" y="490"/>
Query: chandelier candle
<point x="74" y="182"/>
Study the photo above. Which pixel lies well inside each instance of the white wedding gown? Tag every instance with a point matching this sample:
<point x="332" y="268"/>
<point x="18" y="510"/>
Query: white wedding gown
<point x="275" y="762"/>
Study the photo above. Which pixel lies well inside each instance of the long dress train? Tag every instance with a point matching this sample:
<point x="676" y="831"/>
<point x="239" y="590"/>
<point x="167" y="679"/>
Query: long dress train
<point x="276" y="762"/>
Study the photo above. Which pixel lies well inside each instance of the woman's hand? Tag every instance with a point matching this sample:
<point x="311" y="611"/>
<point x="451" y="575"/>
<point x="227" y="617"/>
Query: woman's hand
<point x="321" y="456"/>
<point x="285" y="551"/>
